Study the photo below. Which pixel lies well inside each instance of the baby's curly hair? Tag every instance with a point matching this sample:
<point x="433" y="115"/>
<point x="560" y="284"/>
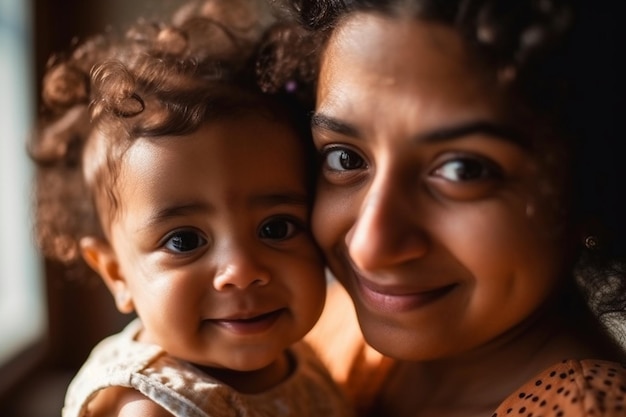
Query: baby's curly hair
<point x="156" y="79"/>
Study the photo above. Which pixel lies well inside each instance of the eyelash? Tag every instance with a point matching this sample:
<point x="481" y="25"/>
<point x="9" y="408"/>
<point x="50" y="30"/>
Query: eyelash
<point x="177" y="241"/>
<point x="170" y="245"/>
<point x="452" y="165"/>
<point x="294" y="226"/>
<point x="457" y="175"/>
<point x="346" y="152"/>
<point x="489" y="169"/>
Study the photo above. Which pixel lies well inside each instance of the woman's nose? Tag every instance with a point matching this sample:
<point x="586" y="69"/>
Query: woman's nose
<point x="388" y="229"/>
<point x="240" y="270"/>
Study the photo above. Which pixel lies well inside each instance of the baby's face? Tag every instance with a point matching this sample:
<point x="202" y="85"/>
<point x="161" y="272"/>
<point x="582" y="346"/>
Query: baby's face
<point x="213" y="243"/>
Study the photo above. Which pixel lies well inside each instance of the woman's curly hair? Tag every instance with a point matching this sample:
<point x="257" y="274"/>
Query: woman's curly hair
<point x="156" y="79"/>
<point x="559" y="58"/>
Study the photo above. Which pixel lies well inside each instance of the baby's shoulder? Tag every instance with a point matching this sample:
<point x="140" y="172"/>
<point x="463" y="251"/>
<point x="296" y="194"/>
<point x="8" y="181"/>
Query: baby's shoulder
<point x="572" y="388"/>
<point x="124" y="402"/>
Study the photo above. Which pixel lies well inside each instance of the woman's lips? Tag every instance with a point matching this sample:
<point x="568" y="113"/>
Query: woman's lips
<point x="398" y="299"/>
<point x="249" y="325"/>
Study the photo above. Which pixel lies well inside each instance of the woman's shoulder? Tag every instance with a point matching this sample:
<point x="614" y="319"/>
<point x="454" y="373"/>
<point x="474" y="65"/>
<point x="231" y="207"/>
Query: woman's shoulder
<point x="572" y="388"/>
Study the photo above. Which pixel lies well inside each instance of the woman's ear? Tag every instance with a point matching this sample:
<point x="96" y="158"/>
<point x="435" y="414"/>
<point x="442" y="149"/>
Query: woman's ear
<point x="101" y="257"/>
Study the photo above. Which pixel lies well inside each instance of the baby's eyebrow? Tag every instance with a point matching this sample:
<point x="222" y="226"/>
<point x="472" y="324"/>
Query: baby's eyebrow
<point x="169" y="212"/>
<point x="258" y="200"/>
<point x="275" y="199"/>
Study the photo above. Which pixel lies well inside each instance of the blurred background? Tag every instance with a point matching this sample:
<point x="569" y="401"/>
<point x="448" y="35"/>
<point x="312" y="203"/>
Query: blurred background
<point x="48" y="322"/>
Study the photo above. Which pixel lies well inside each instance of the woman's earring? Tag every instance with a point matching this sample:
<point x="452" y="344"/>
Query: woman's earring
<point x="592" y="242"/>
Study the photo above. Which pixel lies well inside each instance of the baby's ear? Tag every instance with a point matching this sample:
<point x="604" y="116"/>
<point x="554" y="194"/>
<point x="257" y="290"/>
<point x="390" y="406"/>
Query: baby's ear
<point x="101" y="257"/>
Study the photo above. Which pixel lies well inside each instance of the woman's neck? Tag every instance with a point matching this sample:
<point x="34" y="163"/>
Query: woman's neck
<point x="476" y="382"/>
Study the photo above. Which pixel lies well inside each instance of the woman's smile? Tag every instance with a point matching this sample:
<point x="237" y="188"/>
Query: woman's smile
<point x="399" y="298"/>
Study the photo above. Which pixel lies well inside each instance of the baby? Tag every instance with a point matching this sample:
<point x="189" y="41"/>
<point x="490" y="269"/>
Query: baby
<point x="198" y="187"/>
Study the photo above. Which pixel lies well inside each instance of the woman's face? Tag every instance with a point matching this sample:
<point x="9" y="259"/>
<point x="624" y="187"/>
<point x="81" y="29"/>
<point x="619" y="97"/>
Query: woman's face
<point x="436" y="215"/>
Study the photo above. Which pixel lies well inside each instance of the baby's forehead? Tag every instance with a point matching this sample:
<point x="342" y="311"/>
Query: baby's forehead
<point x="232" y="162"/>
<point x="228" y="142"/>
<point x="243" y="121"/>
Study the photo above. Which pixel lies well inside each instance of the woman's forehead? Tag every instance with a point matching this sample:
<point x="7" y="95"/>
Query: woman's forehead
<point x="387" y="49"/>
<point x="427" y="72"/>
<point x="410" y="65"/>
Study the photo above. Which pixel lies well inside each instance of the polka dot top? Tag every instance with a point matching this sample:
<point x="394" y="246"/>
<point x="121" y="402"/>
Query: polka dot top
<point x="587" y="388"/>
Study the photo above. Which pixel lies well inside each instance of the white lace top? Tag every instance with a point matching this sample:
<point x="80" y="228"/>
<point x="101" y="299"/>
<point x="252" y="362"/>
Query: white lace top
<point x="185" y="391"/>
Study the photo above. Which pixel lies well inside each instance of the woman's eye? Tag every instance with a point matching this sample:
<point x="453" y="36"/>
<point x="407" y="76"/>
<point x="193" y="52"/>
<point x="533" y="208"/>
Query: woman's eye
<point x="342" y="159"/>
<point x="185" y="241"/>
<point x="278" y="229"/>
<point x="467" y="169"/>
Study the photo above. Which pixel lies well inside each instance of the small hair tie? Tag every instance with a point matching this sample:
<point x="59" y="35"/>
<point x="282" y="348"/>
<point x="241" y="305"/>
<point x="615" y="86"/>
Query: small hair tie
<point x="291" y="86"/>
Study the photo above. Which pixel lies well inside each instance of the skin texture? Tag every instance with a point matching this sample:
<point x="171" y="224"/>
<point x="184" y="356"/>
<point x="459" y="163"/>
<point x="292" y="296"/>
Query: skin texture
<point x="211" y="248"/>
<point x="445" y="229"/>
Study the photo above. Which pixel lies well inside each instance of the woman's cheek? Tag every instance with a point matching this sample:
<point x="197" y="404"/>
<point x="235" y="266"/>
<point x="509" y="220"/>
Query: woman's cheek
<point x="331" y="218"/>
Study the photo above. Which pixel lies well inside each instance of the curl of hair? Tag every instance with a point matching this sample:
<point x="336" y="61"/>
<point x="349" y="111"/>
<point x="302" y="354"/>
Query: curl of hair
<point x="157" y="78"/>
<point x="288" y="61"/>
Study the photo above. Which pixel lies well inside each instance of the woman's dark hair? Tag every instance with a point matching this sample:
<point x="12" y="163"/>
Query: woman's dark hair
<point x="561" y="59"/>
<point x="560" y="56"/>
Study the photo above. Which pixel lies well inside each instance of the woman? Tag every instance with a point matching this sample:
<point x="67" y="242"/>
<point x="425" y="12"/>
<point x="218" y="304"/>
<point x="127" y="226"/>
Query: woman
<point x="469" y="204"/>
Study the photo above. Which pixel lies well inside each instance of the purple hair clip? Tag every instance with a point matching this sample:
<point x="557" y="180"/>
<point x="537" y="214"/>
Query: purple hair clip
<point x="291" y="86"/>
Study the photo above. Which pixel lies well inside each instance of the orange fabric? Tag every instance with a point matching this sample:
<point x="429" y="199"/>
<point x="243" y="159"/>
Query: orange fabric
<point x="357" y="367"/>
<point x="571" y="389"/>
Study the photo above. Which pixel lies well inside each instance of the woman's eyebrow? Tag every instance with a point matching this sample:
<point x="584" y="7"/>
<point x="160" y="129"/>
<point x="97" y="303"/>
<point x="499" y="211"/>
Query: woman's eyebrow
<point x="440" y="134"/>
<point x="484" y="127"/>
<point x="324" y="121"/>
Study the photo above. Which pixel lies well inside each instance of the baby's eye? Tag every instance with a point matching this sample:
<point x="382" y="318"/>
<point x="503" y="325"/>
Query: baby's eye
<point x="278" y="229"/>
<point x="467" y="169"/>
<point x="185" y="241"/>
<point x="342" y="159"/>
